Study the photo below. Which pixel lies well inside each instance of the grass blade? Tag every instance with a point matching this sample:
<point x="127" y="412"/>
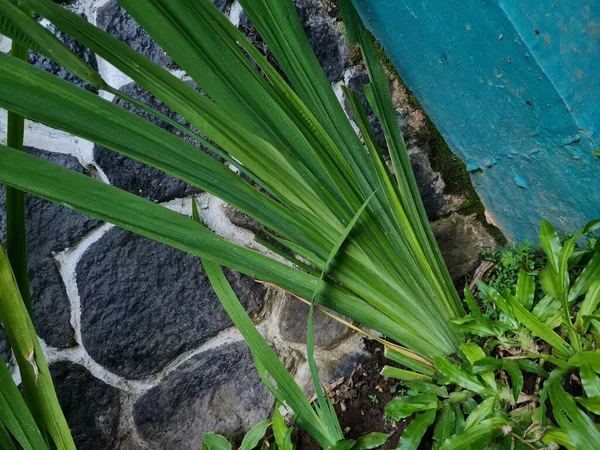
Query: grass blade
<point x="38" y="388"/>
<point x="413" y="434"/>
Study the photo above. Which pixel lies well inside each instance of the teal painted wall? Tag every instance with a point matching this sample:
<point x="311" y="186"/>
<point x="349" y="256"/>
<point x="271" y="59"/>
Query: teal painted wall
<point x="513" y="86"/>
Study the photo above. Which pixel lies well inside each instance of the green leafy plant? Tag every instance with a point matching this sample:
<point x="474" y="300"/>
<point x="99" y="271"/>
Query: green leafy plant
<point x="508" y="262"/>
<point x="548" y="337"/>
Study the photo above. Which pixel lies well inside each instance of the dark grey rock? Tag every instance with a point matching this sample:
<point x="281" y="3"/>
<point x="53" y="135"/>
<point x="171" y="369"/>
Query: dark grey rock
<point x="221" y="4"/>
<point x="56" y="69"/>
<point x="239" y="219"/>
<point x="462" y="239"/>
<point x="326" y="38"/>
<point x="138" y="178"/>
<point x="51" y="228"/>
<point x="5" y="350"/>
<point x="350" y="362"/>
<point x="430" y="184"/>
<point x="294" y="320"/>
<point x="144" y="304"/>
<point x="218" y="391"/>
<point x="91" y="407"/>
<point x="113" y="19"/>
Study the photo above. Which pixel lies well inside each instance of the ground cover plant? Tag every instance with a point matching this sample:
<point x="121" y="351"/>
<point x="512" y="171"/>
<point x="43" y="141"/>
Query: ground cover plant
<point x="356" y="235"/>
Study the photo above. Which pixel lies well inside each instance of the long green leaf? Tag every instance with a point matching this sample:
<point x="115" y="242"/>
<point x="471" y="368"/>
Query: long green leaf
<point x="588" y="307"/>
<point x="414" y="432"/>
<point x="255" y="435"/>
<point x="14" y="414"/>
<point x="460" y="377"/>
<point x="286" y="390"/>
<point x="16" y="236"/>
<point x="579" y="427"/>
<point x="38" y="388"/>
<point x="445" y="425"/>
<point x="483" y="431"/>
<point x="589" y="380"/>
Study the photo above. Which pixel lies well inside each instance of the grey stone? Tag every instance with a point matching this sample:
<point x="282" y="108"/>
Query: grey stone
<point x="326" y="38"/>
<point x="218" y="390"/>
<point x="91" y="407"/>
<point x="221" y="4"/>
<point x="432" y="187"/>
<point x="462" y="239"/>
<point x="51" y="228"/>
<point x="56" y="69"/>
<point x="239" y="219"/>
<point x="138" y="178"/>
<point x="294" y="319"/>
<point x="113" y="19"/>
<point x="144" y="304"/>
<point x="5" y="350"/>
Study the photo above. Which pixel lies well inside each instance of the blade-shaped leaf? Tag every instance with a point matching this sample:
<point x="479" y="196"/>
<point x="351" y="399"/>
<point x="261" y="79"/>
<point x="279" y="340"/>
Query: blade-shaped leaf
<point x="212" y="441"/>
<point x="255" y="435"/>
<point x="414" y="432"/>
<point x="573" y="421"/>
<point x="402" y="407"/>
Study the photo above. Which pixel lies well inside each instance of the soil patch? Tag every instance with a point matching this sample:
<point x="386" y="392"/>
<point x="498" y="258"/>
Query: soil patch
<point x="360" y="401"/>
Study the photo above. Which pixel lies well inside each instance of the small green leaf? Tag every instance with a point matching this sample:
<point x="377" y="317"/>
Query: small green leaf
<point x="529" y="366"/>
<point x="460" y="418"/>
<point x="591" y="404"/>
<point x="588" y="307"/>
<point x="579" y="427"/>
<point x="482" y="412"/>
<point x="458" y="376"/>
<point x="445" y="425"/>
<point x="589" y="380"/>
<point x="282" y="434"/>
<point x="402" y="407"/>
<point x="212" y="441"/>
<point x="474" y="354"/>
<point x="342" y="444"/>
<point x="525" y="289"/>
<point x="413" y="434"/>
<point x="559" y="437"/>
<point x="589" y="275"/>
<point x="426" y="388"/>
<point x="371" y="440"/>
<point x="516" y="378"/>
<point x="551" y="244"/>
<point x="254" y="436"/>
<point x="483" y="431"/>
<point x="591" y="358"/>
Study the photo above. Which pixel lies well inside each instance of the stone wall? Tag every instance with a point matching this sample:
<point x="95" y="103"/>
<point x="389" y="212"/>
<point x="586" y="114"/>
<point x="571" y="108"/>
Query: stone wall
<point x="142" y="353"/>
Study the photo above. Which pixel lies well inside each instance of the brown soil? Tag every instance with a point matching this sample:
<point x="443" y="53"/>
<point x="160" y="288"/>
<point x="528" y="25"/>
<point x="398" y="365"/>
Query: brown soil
<point x="360" y="401"/>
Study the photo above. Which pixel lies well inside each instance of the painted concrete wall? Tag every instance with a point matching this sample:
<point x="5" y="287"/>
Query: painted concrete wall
<point x="513" y="86"/>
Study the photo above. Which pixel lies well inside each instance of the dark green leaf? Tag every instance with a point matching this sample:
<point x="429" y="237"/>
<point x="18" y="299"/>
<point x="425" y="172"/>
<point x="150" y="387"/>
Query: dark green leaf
<point x="402" y="407"/>
<point x="371" y="440"/>
<point x="413" y="434"/>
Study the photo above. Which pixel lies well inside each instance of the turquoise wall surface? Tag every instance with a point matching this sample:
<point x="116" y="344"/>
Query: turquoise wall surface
<point x="513" y="86"/>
